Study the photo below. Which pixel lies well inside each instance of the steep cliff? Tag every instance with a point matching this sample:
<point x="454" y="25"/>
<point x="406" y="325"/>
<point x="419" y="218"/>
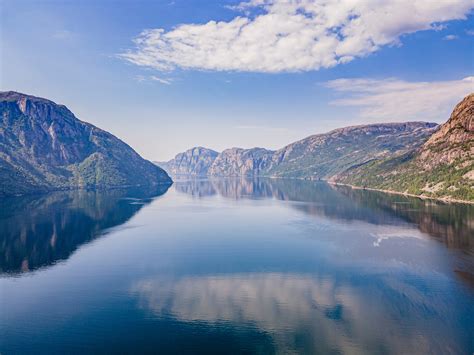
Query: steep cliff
<point x="241" y="162"/>
<point x="442" y="167"/>
<point x="319" y="156"/>
<point x="43" y="146"/>
<point x="195" y="161"/>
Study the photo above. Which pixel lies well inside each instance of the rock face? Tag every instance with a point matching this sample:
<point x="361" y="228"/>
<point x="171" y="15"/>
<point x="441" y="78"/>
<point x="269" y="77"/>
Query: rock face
<point x="442" y="167"/>
<point x="454" y="140"/>
<point x="195" y="162"/>
<point x="319" y="156"/>
<point x="242" y="162"/>
<point x="43" y="146"/>
<point x="201" y="161"/>
<point x="322" y="156"/>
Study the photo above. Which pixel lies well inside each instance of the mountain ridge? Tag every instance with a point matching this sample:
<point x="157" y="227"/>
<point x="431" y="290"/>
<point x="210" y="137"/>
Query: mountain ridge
<point x="318" y="156"/>
<point x="443" y="167"/>
<point x="413" y="158"/>
<point x="44" y="146"/>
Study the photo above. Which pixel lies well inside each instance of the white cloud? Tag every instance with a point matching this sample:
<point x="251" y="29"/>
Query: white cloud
<point x="450" y="37"/>
<point x="142" y="79"/>
<point x="291" y="35"/>
<point x="161" y="80"/>
<point x="470" y="32"/>
<point x="398" y="100"/>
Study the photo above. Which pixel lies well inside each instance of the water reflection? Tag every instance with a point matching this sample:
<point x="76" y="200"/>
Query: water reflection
<point x="233" y="266"/>
<point x="37" y="231"/>
<point x="312" y="314"/>
<point x="451" y="224"/>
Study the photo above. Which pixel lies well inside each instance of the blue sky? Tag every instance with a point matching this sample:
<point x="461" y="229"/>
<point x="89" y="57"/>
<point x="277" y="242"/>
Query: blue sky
<point x="227" y="73"/>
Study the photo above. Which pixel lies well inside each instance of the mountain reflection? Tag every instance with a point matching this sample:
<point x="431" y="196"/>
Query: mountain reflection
<point x="452" y="224"/>
<point x="37" y="231"/>
<point x="312" y="314"/>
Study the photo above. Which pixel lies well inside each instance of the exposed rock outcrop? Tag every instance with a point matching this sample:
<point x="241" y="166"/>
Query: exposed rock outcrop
<point x="443" y="167"/>
<point x="319" y="156"/>
<point x="43" y="146"/>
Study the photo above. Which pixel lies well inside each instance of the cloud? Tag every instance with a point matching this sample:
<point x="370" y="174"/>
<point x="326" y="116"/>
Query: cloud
<point x="470" y="32"/>
<point x="399" y="100"/>
<point x="450" y="37"/>
<point x="142" y="78"/>
<point x="291" y="35"/>
<point x="161" y="80"/>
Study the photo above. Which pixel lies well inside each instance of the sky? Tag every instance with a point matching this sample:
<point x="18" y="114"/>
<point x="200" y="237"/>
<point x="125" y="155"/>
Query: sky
<point x="165" y="76"/>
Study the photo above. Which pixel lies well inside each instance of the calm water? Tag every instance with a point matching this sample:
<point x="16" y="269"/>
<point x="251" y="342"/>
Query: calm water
<point x="232" y="266"/>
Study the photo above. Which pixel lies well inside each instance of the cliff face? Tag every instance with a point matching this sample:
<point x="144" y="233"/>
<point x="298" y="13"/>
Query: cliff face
<point x="195" y="161"/>
<point x="442" y="167"/>
<point x="322" y="156"/>
<point x="43" y="146"/>
<point x="201" y="161"/>
<point x="454" y="140"/>
<point x="241" y="162"/>
<point x="316" y="157"/>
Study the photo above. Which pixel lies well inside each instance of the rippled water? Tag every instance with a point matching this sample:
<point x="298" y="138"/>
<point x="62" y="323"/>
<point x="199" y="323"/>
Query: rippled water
<point x="232" y="266"/>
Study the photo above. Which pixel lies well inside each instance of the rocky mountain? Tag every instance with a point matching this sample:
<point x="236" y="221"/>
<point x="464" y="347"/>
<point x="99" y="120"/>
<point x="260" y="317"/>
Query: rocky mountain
<point x="201" y="161"/>
<point x="442" y="167"/>
<point x="319" y="156"/>
<point x="195" y="161"/>
<point x="43" y="146"/>
<point x="322" y="156"/>
<point x="242" y="162"/>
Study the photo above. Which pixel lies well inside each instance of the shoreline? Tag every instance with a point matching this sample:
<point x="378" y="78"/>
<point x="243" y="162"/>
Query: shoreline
<point x="392" y="192"/>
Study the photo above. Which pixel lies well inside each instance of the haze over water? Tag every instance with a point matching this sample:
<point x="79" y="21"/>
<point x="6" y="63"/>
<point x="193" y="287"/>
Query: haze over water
<point x="227" y="266"/>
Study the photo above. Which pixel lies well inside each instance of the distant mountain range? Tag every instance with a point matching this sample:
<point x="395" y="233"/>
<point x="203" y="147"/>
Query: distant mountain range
<point x="413" y="157"/>
<point x="320" y="156"/>
<point x="43" y="147"/>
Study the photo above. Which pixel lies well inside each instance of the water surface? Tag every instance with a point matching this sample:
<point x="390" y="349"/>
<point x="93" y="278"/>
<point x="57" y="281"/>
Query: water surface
<point x="236" y="266"/>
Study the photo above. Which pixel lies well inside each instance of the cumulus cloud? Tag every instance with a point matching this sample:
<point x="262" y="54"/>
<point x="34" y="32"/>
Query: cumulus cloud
<point x="399" y="100"/>
<point x="291" y="35"/>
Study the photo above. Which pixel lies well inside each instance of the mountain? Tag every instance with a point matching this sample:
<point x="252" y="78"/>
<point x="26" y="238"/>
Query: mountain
<point x="201" y="161"/>
<point x="195" y="161"/>
<point x="242" y="162"/>
<point x="443" y="167"/>
<point x="319" y="156"/>
<point x="43" y="146"/>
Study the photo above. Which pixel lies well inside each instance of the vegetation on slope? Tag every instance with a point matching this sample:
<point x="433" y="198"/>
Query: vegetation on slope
<point x="442" y="168"/>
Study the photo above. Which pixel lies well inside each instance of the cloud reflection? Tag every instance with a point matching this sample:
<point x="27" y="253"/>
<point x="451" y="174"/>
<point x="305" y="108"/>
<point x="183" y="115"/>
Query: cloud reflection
<point x="319" y="312"/>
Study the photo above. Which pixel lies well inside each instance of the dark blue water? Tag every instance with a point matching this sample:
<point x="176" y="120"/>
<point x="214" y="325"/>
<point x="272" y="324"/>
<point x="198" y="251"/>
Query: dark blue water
<point x="236" y="266"/>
